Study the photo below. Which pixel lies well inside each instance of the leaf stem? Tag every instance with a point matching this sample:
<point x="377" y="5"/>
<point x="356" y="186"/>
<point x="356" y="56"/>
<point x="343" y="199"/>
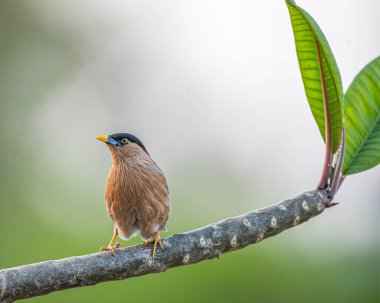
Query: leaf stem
<point x="338" y="178"/>
<point x="326" y="172"/>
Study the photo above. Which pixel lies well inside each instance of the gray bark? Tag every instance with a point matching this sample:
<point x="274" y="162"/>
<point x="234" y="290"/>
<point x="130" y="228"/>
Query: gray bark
<point x="180" y="249"/>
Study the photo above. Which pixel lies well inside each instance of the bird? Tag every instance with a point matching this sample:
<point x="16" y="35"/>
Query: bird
<point x="136" y="193"/>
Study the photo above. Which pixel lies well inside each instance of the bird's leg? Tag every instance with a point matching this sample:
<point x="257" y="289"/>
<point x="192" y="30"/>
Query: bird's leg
<point x="113" y="244"/>
<point x="155" y="239"/>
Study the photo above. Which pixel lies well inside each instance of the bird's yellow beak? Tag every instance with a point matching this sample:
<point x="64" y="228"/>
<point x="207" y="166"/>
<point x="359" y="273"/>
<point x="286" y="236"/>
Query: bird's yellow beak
<point x="102" y="138"/>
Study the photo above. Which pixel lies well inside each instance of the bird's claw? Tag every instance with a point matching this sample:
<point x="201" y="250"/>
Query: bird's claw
<point x="118" y="245"/>
<point x="155" y="239"/>
<point x="111" y="247"/>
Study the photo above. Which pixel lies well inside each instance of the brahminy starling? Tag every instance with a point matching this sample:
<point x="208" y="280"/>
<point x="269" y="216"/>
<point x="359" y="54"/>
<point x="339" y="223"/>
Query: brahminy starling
<point x="136" y="195"/>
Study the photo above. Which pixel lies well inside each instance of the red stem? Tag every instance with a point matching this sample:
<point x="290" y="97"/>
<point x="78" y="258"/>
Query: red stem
<point x="328" y="156"/>
<point x="338" y="178"/>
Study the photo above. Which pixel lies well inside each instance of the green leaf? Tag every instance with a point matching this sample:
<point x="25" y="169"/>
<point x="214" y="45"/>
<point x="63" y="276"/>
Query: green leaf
<point x="320" y="73"/>
<point x="362" y="120"/>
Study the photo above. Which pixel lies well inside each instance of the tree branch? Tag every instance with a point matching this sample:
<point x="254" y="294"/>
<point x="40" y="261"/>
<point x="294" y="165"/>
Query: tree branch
<point x="180" y="249"/>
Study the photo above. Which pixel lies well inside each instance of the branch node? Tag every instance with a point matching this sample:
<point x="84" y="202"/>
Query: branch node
<point x="331" y="204"/>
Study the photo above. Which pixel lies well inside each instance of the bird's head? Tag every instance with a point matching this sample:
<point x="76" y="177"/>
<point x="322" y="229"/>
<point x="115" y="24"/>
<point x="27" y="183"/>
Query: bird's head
<point x="122" y="142"/>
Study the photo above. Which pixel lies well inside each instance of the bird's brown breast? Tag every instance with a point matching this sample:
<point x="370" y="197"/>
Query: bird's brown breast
<point x="136" y="195"/>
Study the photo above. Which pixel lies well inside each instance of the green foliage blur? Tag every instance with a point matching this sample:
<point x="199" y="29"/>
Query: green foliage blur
<point x="51" y="203"/>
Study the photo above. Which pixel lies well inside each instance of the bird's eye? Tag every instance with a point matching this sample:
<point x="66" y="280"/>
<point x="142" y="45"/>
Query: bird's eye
<point x="124" y="141"/>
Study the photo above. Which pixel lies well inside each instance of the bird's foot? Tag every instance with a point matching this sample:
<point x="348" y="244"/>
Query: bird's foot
<point x="111" y="247"/>
<point x="155" y="239"/>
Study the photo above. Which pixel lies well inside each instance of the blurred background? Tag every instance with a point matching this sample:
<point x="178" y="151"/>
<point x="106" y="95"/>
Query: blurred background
<point x="213" y="90"/>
